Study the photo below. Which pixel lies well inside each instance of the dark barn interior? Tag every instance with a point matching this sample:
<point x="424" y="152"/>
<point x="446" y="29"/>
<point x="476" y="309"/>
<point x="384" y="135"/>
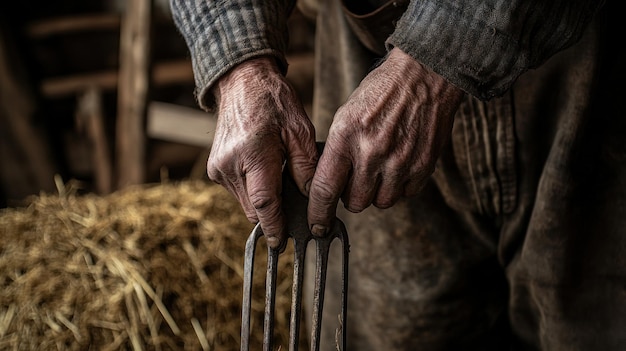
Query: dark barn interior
<point x="95" y="91"/>
<point x="491" y="133"/>
<point x="112" y="236"/>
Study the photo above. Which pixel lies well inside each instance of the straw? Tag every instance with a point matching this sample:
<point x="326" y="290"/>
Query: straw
<point x="152" y="267"/>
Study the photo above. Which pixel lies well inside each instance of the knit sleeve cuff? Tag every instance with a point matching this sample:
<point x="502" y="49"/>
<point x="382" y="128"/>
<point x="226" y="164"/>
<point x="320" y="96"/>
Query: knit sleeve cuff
<point x="484" y="46"/>
<point x="458" y="42"/>
<point x="223" y="34"/>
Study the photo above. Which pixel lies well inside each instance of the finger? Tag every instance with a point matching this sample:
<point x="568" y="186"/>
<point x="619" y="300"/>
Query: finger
<point x="239" y="190"/>
<point x="328" y="183"/>
<point x="361" y="190"/>
<point x="236" y="187"/>
<point x="389" y="191"/>
<point x="242" y="199"/>
<point x="302" y="157"/>
<point x="263" y="185"/>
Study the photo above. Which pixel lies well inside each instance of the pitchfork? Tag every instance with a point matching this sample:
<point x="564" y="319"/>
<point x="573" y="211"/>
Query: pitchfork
<point x="295" y="206"/>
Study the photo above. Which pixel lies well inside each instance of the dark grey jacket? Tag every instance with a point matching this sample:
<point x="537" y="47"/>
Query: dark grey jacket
<point x="481" y="46"/>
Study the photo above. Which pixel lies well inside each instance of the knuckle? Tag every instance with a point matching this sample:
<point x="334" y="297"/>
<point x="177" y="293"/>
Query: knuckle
<point x="214" y="175"/>
<point x="377" y="152"/>
<point x="322" y="191"/>
<point x="219" y="168"/>
<point x="261" y="200"/>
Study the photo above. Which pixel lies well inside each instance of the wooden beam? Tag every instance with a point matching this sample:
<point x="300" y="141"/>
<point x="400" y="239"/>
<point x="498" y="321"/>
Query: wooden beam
<point x="163" y="73"/>
<point x="71" y="24"/>
<point x="90" y="115"/>
<point x="173" y="72"/>
<point x="180" y="124"/>
<point x="75" y="84"/>
<point x="133" y="92"/>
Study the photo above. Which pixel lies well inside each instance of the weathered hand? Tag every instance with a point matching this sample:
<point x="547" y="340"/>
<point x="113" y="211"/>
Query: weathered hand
<point x="261" y="124"/>
<point x="384" y="141"/>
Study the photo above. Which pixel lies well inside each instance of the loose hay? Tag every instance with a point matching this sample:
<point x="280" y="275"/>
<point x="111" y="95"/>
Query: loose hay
<point x="148" y="268"/>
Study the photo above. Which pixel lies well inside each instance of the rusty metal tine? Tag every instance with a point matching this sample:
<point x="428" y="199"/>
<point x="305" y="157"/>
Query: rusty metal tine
<point x="300" y="242"/>
<point x="248" y="271"/>
<point x="295" y="207"/>
<point x="270" y="298"/>
<point x="323" y="249"/>
<point x="321" y="267"/>
<point x="345" y="242"/>
<point x="296" y="292"/>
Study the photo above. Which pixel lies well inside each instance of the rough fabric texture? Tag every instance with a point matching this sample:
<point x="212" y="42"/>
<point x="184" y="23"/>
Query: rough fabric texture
<point x="483" y="46"/>
<point x="222" y="34"/>
<point x="518" y="241"/>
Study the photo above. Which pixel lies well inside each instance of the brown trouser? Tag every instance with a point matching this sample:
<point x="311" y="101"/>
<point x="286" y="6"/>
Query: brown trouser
<point x="519" y="239"/>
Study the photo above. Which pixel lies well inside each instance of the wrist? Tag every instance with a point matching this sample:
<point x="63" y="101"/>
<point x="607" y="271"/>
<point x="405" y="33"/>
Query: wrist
<point x="409" y="66"/>
<point x="244" y="73"/>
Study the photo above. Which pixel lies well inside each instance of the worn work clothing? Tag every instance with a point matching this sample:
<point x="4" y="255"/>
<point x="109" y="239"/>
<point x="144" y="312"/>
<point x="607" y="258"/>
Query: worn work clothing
<point x="519" y="239"/>
<point x="480" y="46"/>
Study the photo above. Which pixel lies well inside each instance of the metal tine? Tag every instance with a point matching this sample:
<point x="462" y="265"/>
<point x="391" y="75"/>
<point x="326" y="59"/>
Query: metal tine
<point x="294" y="205"/>
<point x="321" y="267"/>
<point x="300" y="246"/>
<point x="270" y="298"/>
<point x="300" y="242"/>
<point x="270" y="292"/>
<point x="322" y="252"/>
<point x="345" y="243"/>
<point x="248" y="271"/>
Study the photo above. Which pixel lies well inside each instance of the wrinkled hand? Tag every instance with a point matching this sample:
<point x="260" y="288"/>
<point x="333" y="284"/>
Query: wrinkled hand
<point x="261" y="124"/>
<point x="384" y="141"/>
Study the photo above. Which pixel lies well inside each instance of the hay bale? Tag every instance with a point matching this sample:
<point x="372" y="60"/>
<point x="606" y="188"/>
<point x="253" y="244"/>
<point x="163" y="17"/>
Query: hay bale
<point x="154" y="267"/>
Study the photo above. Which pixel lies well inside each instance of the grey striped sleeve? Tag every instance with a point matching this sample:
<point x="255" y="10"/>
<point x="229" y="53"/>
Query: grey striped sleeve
<point x="483" y="46"/>
<point x="221" y="34"/>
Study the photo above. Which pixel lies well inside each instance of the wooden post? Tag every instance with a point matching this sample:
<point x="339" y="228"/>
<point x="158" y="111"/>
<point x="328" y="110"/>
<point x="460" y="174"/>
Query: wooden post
<point x="90" y="115"/>
<point x="133" y="92"/>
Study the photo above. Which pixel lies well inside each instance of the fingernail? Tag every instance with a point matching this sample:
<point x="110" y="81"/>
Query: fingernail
<point x="319" y="230"/>
<point x="273" y="242"/>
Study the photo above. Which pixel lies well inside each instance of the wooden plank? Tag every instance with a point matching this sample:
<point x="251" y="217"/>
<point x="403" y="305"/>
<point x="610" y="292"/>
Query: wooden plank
<point x="72" y="24"/>
<point x="132" y="92"/>
<point x="172" y="72"/>
<point x="180" y="124"/>
<point x="163" y="73"/>
<point x="75" y="84"/>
